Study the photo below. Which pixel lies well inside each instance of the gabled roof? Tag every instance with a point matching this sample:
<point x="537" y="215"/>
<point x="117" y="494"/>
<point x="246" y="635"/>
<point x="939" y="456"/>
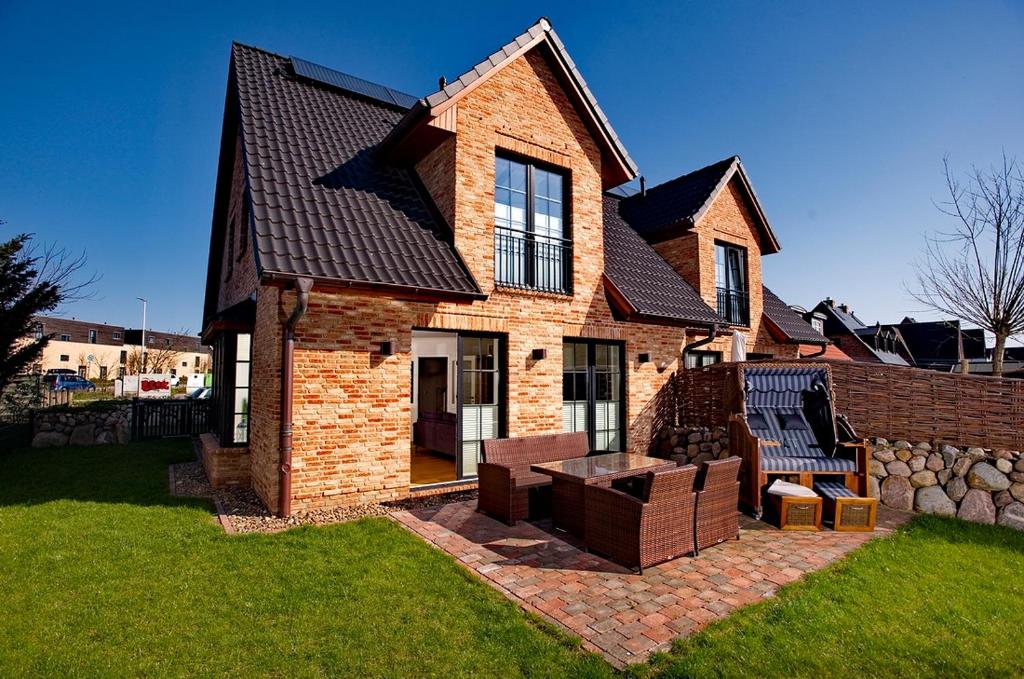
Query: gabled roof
<point x="664" y="211"/>
<point x="940" y="345"/>
<point x="841" y="321"/>
<point x="788" y="324"/>
<point x="641" y="284"/>
<point x="618" y="166"/>
<point x="321" y="205"/>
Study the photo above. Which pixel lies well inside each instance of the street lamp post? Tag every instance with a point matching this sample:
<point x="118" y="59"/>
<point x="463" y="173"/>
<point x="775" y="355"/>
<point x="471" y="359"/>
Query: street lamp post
<point x="142" y="363"/>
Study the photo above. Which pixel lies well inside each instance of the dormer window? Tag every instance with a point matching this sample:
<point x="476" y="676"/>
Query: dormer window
<point x="532" y="248"/>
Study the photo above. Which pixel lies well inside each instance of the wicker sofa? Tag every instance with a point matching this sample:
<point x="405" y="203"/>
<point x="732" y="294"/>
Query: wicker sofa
<point x="643" y="531"/>
<point x="505" y="479"/>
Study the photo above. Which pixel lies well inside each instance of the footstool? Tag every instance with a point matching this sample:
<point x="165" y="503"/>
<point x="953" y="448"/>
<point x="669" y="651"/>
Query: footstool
<point x="845" y="509"/>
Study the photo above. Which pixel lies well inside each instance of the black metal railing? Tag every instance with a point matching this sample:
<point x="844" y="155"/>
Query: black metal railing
<point x="532" y="261"/>
<point x="734" y="306"/>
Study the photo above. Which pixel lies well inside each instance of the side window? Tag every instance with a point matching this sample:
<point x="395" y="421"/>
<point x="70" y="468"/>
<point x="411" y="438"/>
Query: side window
<point x="699" y="359"/>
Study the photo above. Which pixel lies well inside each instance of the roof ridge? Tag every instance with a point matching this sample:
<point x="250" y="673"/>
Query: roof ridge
<point x="730" y="160"/>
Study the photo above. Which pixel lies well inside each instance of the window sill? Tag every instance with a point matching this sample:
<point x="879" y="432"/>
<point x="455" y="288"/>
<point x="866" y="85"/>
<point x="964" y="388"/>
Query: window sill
<point x="527" y="292"/>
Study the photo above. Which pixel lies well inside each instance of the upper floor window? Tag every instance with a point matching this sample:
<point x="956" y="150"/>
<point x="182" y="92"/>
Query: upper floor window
<point x="819" y="325"/>
<point x="39" y="331"/>
<point x="532" y="248"/>
<point x="116" y="335"/>
<point x="92" y="337"/>
<point x="700" y="359"/>
<point x="731" y="281"/>
<point x="65" y="338"/>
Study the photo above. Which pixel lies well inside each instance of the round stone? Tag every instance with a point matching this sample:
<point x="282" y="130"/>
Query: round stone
<point x="896" y="492"/>
<point x="923" y="479"/>
<point x="878" y="469"/>
<point x="923" y="445"/>
<point x="1002" y="498"/>
<point x="962" y="466"/>
<point x="934" y="462"/>
<point x="1012" y="516"/>
<point x="976" y="452"/>
<point x="1017" y="491"/>
<point x="898" y="468"/>
<point x="916" y="463"/>
<point x="904" y="454"/>
<point x="932" y="500"/>
<point x="956" y="488"/>
<point x="880" y="442"/>
<point x="902" y="445"/>
<point x="874" y="490"/>
<point x="977" y="506"/>
<point x="1018" y="466"/>
<point x="943" y="476"/>
<point x="1004" y="465"/>
<point x="986" y="477"/>
<point x="884" y="455"/>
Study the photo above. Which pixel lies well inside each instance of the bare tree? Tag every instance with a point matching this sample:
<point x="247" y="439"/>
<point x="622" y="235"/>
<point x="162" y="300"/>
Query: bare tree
<point x="162" y="354"/>
<point x="975" y="272"/>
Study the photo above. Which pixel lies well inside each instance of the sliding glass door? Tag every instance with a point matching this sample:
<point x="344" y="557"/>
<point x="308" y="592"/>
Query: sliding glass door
<point x="481" y="401"/>
<point x="593" y="388"/>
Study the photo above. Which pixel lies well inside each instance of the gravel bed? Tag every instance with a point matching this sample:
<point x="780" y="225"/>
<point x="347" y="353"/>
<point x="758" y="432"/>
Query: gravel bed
<point x="242" y="510"/>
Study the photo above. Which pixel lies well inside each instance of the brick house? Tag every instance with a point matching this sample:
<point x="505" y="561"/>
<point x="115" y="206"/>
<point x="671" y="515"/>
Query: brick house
<point x="393" y="280"/>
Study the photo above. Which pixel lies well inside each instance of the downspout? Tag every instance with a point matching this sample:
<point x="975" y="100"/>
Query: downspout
<point x="712" y="335"/>
<point x="302" y="288"/>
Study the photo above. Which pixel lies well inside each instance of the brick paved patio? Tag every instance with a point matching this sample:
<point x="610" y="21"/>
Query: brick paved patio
<point x="620" y="614"/>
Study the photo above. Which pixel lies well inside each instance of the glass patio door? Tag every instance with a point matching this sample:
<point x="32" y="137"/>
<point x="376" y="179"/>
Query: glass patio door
<point x="481" y="411"/>
<point x="593" y="385"/>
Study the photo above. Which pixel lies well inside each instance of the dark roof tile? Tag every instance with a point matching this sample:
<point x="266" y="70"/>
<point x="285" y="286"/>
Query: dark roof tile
<point x="789" y="322"/>
<point x="649" y="284"/>
<point x="674" y="201"/>
<point x="322" y="205"/>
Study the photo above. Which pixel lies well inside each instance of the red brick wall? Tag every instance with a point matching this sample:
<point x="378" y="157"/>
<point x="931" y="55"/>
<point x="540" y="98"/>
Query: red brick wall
<point x="238" y="265"/>
<point x="224" y="466"/>
<point x="352" y="415"/>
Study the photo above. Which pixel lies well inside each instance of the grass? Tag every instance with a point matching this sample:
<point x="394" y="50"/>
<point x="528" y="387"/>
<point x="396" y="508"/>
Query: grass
<point x="940" y="598"/>
<point x="104" y="574"/>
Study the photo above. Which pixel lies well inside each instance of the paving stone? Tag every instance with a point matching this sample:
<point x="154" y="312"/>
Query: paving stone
<point x="623" y="615"/>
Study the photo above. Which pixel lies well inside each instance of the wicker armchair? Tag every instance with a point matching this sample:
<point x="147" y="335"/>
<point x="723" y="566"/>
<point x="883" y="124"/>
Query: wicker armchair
<point x="718" y="496"/>
<point x="505" y="479"/>
<point x="639" y="532"/>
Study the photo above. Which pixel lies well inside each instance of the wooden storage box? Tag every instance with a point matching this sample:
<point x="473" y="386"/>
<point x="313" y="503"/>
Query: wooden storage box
<point x="796" y="513"/>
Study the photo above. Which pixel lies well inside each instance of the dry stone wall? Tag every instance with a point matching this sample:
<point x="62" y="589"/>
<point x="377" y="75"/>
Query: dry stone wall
<point x="81" y="426"/>
<point x="984" y="486"/>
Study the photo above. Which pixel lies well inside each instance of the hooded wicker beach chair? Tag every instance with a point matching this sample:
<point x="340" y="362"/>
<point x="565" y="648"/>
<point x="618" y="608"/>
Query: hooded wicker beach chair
<point x="787" y="428"/>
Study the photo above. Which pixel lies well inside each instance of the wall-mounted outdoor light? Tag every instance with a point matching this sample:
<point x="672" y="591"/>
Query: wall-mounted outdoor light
<point x="387" y="348"/>
<point x="539" y="354"/>
<point x="645" y="357"/>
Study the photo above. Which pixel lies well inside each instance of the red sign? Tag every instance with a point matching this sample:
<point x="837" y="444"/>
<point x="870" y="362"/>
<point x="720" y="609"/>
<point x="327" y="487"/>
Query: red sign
<point x="155" y="385"/>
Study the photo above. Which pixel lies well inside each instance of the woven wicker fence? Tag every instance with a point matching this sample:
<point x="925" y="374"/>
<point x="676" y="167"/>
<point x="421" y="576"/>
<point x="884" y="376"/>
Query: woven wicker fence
<point x="887" y="401"/>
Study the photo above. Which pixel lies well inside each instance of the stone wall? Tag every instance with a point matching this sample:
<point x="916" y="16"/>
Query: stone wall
<point x="692" y="445"/>
<point x="81" y="426"/>
<point x="985" y="486"/>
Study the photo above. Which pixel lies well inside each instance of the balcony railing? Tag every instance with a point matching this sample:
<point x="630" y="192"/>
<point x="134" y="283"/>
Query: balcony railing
<point x="734" y="306"/>
<point x="532" y="261"/>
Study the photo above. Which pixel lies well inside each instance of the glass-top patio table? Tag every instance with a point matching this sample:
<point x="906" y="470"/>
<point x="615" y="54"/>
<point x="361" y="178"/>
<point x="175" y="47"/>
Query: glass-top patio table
<point x="569" y="477"/>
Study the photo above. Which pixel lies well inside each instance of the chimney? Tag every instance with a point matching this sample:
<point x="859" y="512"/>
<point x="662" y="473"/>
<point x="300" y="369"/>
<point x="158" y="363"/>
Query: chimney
<point x="643" y="185"/>
<point x="845" y="309"/>
<point x="830" y="302"/>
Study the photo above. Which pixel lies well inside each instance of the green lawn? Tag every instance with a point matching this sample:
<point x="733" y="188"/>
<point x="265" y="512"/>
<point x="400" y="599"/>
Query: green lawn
<point x="943" y="598"/>
<point x="101" y="573"/>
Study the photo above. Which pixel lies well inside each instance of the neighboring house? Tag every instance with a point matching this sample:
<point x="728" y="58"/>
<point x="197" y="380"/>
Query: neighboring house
<point x="1013" y="362"/>
<point x="99" y="351"/>
<point x="868" y="344"/>
<point x="394" y="280"/>
<point x="941" y="345"/>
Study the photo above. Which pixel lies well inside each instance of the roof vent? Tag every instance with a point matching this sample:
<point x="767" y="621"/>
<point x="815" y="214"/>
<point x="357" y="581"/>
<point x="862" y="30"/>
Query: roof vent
<point x="643" y="185"/>
<point x="442" y="82"/>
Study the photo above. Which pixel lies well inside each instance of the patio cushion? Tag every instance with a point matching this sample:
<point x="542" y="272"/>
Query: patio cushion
<point x="833" y="489"/>
<point x="807" y="464"/>
<point x="527" y="479"/>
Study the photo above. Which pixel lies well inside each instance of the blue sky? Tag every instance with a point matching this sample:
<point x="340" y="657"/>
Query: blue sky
<point x="842" y="113"/>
